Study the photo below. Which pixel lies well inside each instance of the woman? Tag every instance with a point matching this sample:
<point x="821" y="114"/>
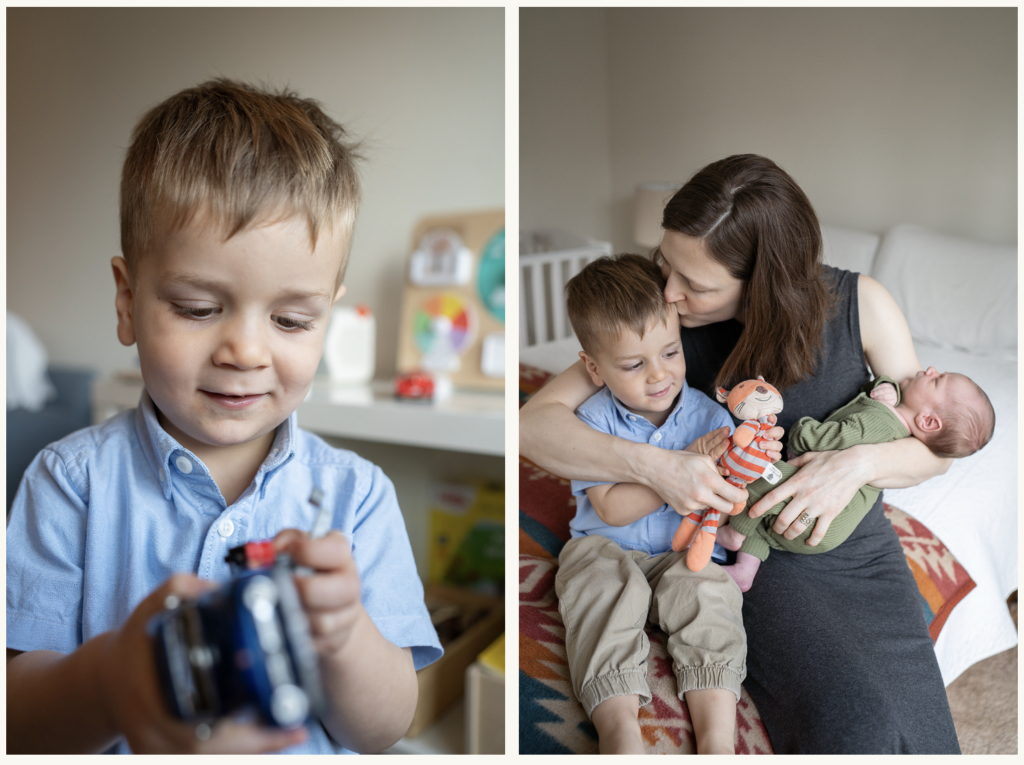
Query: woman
<point x="839" y="657"/>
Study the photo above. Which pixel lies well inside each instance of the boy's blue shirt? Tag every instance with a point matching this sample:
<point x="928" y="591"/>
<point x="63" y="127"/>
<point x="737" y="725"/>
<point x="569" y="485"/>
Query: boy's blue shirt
<point x="693" y="415"/>
<point x="107" y="514"/>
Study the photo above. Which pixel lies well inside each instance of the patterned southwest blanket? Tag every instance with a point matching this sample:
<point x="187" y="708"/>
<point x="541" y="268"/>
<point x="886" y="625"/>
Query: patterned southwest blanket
<point x="551" y="720"/>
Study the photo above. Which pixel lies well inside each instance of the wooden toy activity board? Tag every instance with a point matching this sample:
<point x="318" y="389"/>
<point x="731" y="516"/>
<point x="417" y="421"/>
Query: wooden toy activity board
<point x="453" y="311"/>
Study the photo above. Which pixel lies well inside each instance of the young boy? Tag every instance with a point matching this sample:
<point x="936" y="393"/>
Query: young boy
<point x="619" y="564"/>
<point x="237" y="210"/>
<point x="948" y="412"/>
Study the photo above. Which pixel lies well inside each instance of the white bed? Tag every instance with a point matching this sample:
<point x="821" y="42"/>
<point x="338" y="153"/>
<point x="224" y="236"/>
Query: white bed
<point x="967" y="301"/>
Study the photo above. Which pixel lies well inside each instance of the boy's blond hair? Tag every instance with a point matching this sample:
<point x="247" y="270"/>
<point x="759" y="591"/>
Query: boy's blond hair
<point x="239" y="155"/>
<point x="614" y="294"/>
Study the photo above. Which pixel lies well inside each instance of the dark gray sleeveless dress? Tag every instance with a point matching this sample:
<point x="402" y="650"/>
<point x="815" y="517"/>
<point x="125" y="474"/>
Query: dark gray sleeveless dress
<point x="839" y="660"/>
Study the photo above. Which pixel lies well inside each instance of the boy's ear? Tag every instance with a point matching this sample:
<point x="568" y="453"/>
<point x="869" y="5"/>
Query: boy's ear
<point x="339" y="293"/>
<point x="928" y="422"/>
<point x="124" y="301"/>
<point x="592" y="370"/>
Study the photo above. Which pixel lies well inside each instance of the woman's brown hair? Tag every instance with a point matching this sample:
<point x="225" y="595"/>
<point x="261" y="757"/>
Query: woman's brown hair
<point x="755" y="221"/>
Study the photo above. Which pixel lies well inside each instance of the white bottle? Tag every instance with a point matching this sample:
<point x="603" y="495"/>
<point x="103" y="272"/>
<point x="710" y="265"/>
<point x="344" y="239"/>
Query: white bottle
<point x="350" y="345"/>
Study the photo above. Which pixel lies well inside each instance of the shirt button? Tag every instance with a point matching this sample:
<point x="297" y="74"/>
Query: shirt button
<point x="226" y="528"/>
<point x="184" y="464"/>
<point x="657" y="436"/>
<point x="632" y="417"/>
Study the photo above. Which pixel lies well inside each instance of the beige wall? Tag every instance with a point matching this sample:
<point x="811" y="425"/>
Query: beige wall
<point x="882" y="115"/>
<point x="564" y="143"/>
<point x="424" y="86"/>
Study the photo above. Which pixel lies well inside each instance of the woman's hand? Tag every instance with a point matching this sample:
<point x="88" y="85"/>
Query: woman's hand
<point x="689" y="482"/>
<point x="822" y="487"/>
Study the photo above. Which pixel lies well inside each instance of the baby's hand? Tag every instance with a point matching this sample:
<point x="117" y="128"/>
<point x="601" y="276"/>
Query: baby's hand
<point x="885" y="393"/>
<point x="330" y="595"/>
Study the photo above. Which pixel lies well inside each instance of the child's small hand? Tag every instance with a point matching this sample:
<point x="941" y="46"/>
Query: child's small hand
<point x="127" y="676"/>
<point x="712" y="444"/>
<point x="770" y="442"/>
<point x="885" y="393"/>
<point x="330" y="596"/>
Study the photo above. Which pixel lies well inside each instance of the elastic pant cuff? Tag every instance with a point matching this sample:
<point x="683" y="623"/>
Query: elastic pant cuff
<point x="703" y="678"/>
<point x="627" y="683"/>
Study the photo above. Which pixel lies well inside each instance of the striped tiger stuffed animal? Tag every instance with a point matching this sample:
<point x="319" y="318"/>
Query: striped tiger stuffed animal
<point x="751" y="401"/>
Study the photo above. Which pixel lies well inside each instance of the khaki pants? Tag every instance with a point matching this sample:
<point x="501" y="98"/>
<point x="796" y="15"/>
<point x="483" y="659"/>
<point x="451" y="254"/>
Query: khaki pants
<point x="607" y="594"/>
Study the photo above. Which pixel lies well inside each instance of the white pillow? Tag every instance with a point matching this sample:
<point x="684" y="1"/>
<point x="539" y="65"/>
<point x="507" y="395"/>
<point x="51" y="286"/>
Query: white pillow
<point x="848" y="249"/>
<point x="956" y="293"/>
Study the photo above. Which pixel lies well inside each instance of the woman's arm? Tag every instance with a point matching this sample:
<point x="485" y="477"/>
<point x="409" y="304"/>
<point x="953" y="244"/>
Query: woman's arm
<point x="827" y="481"/>
<point x="551" y="435"/>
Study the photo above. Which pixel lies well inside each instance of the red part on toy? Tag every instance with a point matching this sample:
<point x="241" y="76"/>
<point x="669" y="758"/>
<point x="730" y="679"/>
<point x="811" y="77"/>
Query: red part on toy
<point x="252" y="555"/>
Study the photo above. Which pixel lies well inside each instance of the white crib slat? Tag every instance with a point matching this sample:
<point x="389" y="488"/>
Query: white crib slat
<point x="540" y="325"/>
<point x="542" y="278"/>
<point x="559" y="319"/>
<point x="524" y="330"/>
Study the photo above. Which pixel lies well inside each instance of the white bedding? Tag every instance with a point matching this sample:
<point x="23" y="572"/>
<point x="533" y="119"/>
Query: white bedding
<point x="972" y="509"/>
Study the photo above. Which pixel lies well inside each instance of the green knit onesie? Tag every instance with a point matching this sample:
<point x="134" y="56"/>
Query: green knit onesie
<point x="862" y="421"/>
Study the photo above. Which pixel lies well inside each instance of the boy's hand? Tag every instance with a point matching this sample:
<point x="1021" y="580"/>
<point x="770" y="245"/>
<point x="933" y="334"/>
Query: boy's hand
<point x="712" y="444"/>
<point x="771" y="442"/>
<point x="128" y="679"/>
<point x="885" y="393"/>
<point x="330" y="596"/>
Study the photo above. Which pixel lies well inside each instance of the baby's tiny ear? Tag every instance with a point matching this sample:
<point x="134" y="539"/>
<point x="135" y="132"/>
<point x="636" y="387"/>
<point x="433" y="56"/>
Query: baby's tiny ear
<point x="928" y="422"/>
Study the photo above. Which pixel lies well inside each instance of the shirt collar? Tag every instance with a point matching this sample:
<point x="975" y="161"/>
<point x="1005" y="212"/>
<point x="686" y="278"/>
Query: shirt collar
<point x="628" y="416"/>
<point x="161" y="448"/>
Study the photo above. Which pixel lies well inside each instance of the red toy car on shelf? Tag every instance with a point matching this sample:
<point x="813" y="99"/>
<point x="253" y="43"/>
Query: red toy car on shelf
<point x="414" y="385"/>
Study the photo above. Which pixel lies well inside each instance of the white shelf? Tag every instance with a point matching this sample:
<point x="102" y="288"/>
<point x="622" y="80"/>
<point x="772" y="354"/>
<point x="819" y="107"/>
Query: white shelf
<point x="469" y="421"/>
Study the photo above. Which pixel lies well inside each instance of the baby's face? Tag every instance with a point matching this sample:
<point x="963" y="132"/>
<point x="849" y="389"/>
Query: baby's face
<point x="930" y="391"/>
<point x="230" y="333"/>
<point x="645" y="374"/>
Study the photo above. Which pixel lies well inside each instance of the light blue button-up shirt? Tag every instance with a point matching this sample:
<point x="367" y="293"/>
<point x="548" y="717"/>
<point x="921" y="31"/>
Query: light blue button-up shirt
<point x="107" y="514"/>
<point x="693" y="415"/>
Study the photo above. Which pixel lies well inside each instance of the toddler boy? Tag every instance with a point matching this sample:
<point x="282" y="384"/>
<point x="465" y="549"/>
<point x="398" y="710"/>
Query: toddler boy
<point x="237" y="211"/>
<point x="618" y="569"/>
<point x="948" y="412"/>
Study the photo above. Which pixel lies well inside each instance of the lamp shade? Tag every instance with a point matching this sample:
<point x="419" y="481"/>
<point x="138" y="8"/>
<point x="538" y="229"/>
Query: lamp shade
<point x="650" y="205"/>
